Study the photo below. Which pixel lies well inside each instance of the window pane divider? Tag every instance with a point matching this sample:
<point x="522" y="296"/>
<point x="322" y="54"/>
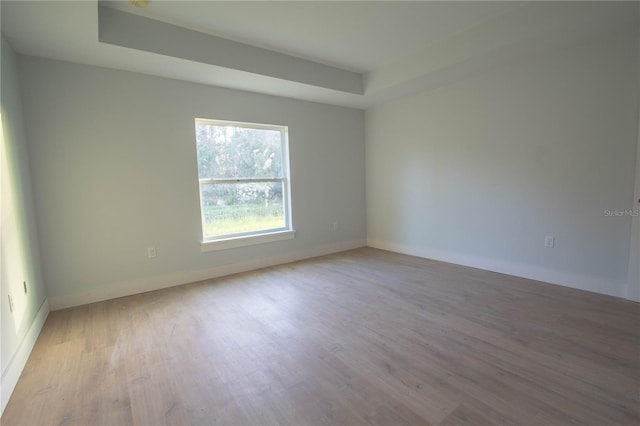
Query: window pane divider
<point x="240" y="180"/>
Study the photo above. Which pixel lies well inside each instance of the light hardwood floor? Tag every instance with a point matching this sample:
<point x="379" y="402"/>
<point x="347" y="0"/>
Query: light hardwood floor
<point x="361" y="337"/>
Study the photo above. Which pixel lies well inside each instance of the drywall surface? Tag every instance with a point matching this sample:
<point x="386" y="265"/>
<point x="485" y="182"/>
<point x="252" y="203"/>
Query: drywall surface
<point x="633" y="288"/>
<point x="19" y="253"/>
<point x="114" y="169"/>
<point x="479" y="172"/>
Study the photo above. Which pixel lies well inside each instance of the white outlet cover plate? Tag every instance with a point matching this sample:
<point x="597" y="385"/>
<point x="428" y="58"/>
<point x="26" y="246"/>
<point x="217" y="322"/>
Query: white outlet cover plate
<point x="549" y="241"/>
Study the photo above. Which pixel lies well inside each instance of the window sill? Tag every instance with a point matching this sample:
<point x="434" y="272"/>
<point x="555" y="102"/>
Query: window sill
<point x="234" y="242"/>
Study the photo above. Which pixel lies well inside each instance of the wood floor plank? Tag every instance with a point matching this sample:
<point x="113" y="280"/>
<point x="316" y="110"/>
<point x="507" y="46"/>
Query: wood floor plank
<point x="360" y="337"/>
<point x="465" y="416"/>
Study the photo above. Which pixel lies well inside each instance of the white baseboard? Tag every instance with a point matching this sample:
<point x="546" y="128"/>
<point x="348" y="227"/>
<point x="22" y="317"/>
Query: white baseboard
<point x="16" y="364"/>
<point x="158" y="282"/>
<point x="566" y="279"/>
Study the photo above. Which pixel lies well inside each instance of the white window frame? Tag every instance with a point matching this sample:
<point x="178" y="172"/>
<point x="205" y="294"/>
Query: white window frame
<point x="251" y="237"/>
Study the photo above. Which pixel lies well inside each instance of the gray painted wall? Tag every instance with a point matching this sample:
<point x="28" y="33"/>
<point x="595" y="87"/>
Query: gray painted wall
<point x="114" y="170"/>
<point x="20" y="254"/>
<point x="480" y="171"/>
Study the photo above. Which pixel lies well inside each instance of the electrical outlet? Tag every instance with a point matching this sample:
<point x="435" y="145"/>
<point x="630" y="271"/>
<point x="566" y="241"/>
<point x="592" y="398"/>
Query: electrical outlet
<point x="10" y="303"/>
<point x="549" y="241"/>
<point x="24" y="285"/>
<point x="151" y="252"/>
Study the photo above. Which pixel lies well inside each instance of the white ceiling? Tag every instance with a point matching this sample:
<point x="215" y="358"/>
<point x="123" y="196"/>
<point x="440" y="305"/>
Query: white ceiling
<point x="395" y="48"/>
<point x="355" y="35"/>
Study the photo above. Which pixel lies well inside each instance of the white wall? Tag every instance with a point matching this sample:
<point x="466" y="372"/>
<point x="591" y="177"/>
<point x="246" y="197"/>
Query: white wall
<point x="19" y="253"/>
<point x="114" y="170"/>
<point x="633" y="288"/>
<point x="478" y="172"/>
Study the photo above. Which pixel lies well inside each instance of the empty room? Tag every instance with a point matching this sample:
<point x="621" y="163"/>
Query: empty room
<point x="320" y="213"/>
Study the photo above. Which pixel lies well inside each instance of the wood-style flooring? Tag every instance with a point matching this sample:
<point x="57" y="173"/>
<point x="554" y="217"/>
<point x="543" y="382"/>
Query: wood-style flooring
<point x="355" y="338"/>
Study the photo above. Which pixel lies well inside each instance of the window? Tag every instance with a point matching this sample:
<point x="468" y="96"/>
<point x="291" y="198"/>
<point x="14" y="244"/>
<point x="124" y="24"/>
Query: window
<point x="243" y="173"/>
